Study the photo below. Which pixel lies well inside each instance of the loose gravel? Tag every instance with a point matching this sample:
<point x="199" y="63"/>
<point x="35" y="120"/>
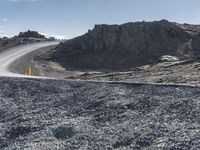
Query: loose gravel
<point x="38" y="114"/>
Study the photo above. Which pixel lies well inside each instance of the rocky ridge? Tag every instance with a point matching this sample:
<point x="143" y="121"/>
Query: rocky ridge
<point x="23" y="38"/>
<point x="128" y="45"/>
<point x="30" y="34"/>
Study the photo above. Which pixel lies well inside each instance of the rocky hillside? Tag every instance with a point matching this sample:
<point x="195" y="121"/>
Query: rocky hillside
<point x="30" y="34"/>
<point x="127" y="45"/>
<point x="192" y="29"/>
<point x="22" y="38"/>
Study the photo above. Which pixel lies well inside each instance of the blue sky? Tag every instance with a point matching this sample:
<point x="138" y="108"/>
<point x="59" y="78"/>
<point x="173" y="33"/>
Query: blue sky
<point x="71" y="18"/>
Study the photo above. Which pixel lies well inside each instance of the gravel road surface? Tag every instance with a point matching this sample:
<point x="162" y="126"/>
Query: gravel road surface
<point x="8" y="56"/>
<point x="41" y="114"/>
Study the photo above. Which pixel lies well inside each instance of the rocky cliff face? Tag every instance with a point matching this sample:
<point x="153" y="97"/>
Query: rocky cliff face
<point x="127" y="45"/>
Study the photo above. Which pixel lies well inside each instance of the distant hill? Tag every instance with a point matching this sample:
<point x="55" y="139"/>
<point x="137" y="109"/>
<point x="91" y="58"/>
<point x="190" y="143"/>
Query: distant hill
<point x="30" y="34"/>
<point x="23" y="38"/>
<point x="128" y="45"/>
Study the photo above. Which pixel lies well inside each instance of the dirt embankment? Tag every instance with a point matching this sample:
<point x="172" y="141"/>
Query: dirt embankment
<point x="185" y="72"/>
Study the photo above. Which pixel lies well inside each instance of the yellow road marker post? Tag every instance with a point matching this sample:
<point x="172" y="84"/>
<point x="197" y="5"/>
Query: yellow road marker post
<point x="29" y="71"/>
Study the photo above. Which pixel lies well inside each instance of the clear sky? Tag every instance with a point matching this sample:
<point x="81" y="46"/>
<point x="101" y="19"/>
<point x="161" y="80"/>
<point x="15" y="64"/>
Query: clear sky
<point x="71" y="18"/>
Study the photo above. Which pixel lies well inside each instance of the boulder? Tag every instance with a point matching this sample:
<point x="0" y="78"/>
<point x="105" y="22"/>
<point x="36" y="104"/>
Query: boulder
<point x="168" y="58"/>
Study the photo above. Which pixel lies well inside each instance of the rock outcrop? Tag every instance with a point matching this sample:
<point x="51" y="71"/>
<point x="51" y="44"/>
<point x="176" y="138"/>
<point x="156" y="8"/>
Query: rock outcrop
<point x="23" y="38"/>
<point x="127" y="45"/>
<point x="191" y="29"/>
<point x="30" y="34"/>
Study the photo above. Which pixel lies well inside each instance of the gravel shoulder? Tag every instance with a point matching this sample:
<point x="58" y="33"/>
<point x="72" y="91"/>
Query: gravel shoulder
<point x="180" y="72"/>
<point x="65" y="114"/>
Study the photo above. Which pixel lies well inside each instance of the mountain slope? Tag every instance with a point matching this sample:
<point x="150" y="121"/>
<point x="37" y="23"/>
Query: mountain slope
<point x="124" y="46"/>
<point x="191" y="29"/>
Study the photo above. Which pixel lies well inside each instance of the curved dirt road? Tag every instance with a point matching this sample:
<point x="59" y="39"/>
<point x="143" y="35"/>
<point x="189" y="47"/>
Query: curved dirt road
<point x="8" y="56"/>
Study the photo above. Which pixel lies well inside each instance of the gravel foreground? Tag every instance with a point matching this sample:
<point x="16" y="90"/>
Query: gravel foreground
<point x="40" y="114"/>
